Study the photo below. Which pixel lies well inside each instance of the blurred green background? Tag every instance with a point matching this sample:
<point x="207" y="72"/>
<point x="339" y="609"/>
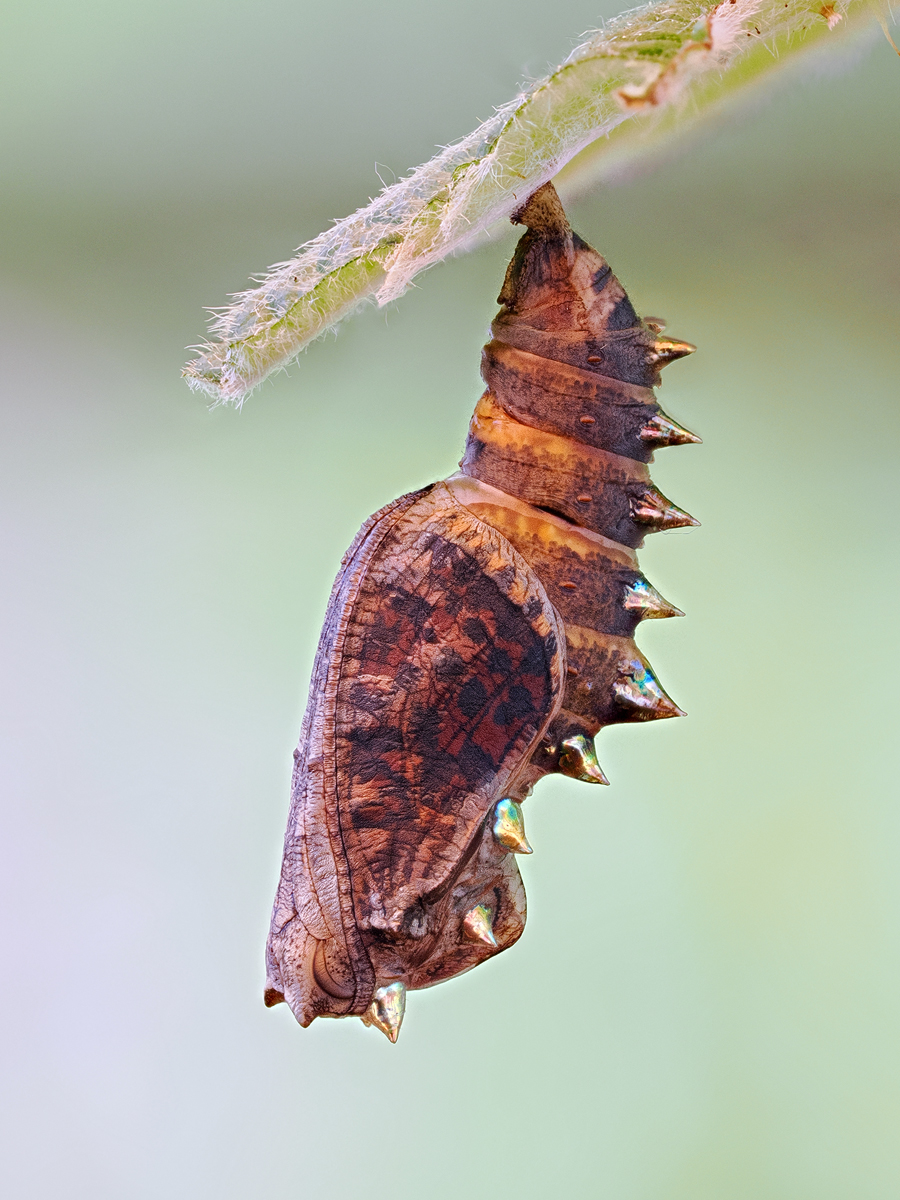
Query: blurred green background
<point x="704" y="1004"/>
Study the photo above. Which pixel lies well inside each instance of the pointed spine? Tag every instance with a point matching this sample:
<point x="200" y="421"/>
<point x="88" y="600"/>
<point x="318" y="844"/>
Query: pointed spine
<point x="578" y="760"/>
<point x="638" y="690"/>
<point x="651" y="507"/>
<point x="665" y="350"/>
<point x="661" y="431"/>
<point x="387" y="1010"/>
<point x="509" y="827"/>
<point x="643" y="598"/>
<point x="478" y="927"/>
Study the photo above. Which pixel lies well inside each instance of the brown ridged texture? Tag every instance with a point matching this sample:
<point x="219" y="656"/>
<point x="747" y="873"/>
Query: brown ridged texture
<point x="479" y="634"/>
<point x="566" y="426"/>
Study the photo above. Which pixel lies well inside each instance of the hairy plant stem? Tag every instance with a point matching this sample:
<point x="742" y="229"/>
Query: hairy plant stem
<point x="639" y="81"/>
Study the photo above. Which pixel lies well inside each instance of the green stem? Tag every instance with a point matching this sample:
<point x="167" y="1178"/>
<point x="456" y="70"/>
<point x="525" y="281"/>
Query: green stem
<point x="647" y="76"/>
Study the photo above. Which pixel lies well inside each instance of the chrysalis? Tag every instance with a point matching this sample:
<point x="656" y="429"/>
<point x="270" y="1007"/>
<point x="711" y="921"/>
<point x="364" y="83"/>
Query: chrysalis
<point x="478" y="636"/>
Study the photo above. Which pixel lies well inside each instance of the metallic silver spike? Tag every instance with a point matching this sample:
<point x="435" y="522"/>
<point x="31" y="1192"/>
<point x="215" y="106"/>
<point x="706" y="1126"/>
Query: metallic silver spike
<point x="661" y="431"/>
<point x="665" y="350"/>
<point x="387" y="1009"/>
<point x="578" y="760"/>
<point x="509" y="827"/>
<point x="641" y="597"/>
<point x="638" y="688"/>
<point x="653" y="508"/>
<point x="477" y="925"/>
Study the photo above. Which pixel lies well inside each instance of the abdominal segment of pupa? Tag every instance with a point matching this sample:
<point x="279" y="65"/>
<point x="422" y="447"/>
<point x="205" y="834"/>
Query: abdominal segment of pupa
<point x="479" y="635"/>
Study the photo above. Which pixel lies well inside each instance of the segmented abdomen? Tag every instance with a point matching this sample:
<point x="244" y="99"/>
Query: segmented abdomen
<point x="556" y="461"/>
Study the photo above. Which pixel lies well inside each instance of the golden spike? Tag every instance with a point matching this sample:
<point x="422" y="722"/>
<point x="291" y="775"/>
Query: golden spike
<point x="665" y="350"/>
<point x="661" y="430"/>
<point x="509" y="827"/>
<point x="653" y="508"/>
<point x="638" y="688"/>
<point x="578" y="760"/>
<point x="387" y="1009"/>
<point x="477" y="925"/>
<point x="644" y="598"/>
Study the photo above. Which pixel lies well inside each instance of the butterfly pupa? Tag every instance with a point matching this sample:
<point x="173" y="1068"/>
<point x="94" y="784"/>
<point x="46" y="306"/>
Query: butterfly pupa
<point x="480" y="633"/>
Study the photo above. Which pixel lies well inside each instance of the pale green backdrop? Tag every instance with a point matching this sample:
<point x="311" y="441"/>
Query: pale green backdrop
<point x="704" y="1005"/>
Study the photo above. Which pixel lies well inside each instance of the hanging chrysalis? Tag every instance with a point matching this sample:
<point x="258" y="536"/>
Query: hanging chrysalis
<point x="478" y="636"/>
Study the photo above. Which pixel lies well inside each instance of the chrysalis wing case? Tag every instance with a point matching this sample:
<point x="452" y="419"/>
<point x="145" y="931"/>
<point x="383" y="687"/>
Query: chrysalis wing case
<point x="478" y="636"/>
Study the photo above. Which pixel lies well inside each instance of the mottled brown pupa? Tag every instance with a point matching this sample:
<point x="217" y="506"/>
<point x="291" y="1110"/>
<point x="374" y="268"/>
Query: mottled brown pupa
<point x="478" y="636"/>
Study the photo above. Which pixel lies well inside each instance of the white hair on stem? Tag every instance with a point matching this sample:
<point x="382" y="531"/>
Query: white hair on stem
<point x="647" y="64"/>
